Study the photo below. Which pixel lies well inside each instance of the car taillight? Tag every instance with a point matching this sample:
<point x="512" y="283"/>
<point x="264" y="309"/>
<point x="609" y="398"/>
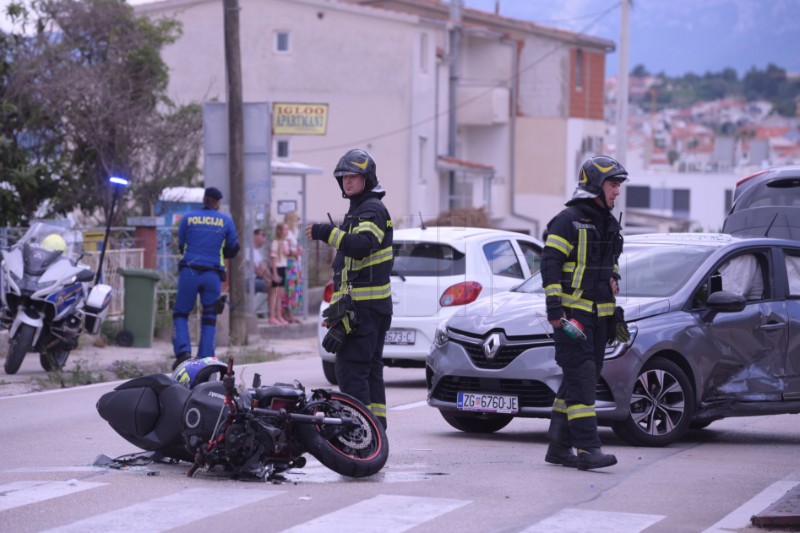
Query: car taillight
<point x="461" y="294"/>
<point x="327" y="294"/>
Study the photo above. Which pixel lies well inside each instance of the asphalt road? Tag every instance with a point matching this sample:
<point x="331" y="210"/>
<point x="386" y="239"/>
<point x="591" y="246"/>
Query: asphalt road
<point x="436" y="479"/>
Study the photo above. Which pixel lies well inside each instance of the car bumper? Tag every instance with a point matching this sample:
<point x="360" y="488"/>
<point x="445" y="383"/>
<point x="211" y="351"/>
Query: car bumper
<point x="533" y="376"/>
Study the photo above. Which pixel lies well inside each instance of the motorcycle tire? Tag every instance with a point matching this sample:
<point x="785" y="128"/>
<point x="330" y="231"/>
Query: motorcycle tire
<point x="358" y="453"/>
<point x="18" y="346"/>
<point x="53" y="359"/>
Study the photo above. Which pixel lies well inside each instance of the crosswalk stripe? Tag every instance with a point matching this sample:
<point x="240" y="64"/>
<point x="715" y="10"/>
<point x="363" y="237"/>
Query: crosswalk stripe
<point x="27" y="492"/>
<point x="740" y="517"/>
<point x="381" y="514"/>
<point x="170" y="511"/>
<point x="582" y="520"/>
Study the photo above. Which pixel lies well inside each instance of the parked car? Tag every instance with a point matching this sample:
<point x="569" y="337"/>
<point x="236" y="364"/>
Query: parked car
<point x="767" y="204"/>
<point x="715" y="333"/>
<point x="440" y="272"/>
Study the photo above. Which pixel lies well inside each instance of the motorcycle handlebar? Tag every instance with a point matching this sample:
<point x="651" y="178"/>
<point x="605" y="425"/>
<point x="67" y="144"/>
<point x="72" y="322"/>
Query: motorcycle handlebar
<point x="308" y="419"/>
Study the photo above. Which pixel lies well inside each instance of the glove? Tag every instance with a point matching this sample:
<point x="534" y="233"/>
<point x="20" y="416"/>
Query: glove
<point x="334" y="339"/>
<point x="621" y="331"/>
<point x="337" y="310"/>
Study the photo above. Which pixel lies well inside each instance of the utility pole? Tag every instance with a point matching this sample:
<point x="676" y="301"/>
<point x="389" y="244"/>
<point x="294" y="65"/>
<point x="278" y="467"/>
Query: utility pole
<point x="452" y="126"/>
<point x="233" y="69"/>
<point x="622" y="99"/>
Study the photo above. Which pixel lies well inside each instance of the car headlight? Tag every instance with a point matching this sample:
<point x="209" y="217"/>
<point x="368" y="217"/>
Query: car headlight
<point x="441" y="336"/>
<point x="617" y="348"/>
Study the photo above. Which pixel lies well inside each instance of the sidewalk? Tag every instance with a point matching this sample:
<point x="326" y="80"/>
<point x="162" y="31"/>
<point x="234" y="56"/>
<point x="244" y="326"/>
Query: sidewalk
<point x="93" y="362"/>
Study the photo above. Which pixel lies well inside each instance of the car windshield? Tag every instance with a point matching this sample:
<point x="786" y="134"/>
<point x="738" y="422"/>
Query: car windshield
<point x="653" y="270"/>
<point x="427" y="259"/>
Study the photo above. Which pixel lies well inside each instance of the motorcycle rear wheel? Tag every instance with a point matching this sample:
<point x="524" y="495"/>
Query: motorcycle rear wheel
<point x="18" y="346"/>
<point x="54" y="359"/>
<point x="358" y="453"/>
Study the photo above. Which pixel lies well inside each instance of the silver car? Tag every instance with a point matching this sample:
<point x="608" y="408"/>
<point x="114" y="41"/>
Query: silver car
<point x="715" y="333"/>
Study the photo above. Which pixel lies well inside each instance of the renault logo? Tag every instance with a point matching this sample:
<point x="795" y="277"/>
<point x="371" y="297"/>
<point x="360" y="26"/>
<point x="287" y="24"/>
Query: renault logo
<point x="491" y="345"/>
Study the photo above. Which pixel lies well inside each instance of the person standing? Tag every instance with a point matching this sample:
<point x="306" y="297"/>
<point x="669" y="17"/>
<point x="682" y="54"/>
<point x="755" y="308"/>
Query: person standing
<point x="278" y="259"/>
<point x="294" y="270"/>
<point x="260" y="271"/>
<point x="205" y="239"/>
<point x="580" y="275"/>
<point x="360" y="313"/>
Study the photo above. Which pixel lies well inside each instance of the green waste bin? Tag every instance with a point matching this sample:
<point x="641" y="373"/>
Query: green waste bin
<point x="139" y="307"/>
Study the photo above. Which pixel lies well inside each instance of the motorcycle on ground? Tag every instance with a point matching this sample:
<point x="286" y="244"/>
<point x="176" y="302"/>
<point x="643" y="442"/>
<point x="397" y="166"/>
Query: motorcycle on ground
<point x="47" y="297"/>
<point x="252" y="433"/>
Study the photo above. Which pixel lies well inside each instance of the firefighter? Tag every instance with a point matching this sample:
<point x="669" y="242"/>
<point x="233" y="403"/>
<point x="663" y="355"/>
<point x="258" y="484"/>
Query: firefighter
<point x="361" y="307"/>
<point x="580" y="275"/>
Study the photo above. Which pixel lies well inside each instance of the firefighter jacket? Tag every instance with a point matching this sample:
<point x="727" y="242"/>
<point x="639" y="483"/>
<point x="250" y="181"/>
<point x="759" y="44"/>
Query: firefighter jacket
<point x="582" y="247"/>
<point x="364" y="258"/>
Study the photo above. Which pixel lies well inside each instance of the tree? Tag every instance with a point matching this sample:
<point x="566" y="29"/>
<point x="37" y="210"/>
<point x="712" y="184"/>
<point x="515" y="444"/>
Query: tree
<point x="98" y="65"/>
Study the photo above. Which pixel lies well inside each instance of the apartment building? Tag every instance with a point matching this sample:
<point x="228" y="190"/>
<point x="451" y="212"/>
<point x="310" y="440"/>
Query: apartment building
<point x="528" y="100"/>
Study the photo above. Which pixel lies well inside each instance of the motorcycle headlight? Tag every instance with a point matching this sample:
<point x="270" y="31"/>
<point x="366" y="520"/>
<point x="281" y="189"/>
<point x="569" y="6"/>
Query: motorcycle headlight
<point x="617" y="348"/>
<point x="441" y="336"/>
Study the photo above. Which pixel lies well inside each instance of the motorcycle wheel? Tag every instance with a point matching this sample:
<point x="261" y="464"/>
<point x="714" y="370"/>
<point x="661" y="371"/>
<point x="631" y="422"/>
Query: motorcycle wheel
<point x="18" y="346"/>
<point x="54" y="359"/>
<point x="358" y="453"/>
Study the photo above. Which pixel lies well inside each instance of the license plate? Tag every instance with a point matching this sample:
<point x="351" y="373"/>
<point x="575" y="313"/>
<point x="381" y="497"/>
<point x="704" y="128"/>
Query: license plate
<point x="400" y="336"/>
<point x="487" y="403"/>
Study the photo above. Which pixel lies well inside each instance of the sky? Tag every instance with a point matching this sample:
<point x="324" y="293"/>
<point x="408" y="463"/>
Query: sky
<point x="677" y="36"/>
<point x="670" y="36"/>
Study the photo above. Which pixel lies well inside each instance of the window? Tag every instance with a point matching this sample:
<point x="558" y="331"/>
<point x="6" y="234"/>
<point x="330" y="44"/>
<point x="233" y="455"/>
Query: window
<point x="579" y="69"/>
<point x="680" y="202"/>
<point x="637" y="196"/>
<point x="423" y="52"/>
<point x="282" y="42"/>
<point x="743" y="275"/>
<point x="793" y="272"/>
<point x="282" y="149"/>
<point x="427" y="259"/>
<point x="532" y="255"/>
<point x="502" y="259"/>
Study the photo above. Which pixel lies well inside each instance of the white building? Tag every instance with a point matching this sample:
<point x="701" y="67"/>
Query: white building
<point x="529" y="99"/>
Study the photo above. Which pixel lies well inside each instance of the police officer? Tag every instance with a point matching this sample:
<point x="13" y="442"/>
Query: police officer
<point x="205" y="238"/>
<point x="361" y="307"/>
<point x="579" y="275"/>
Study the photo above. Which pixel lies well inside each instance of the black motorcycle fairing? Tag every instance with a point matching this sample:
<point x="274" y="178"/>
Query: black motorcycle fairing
<point x="146" y="411"/>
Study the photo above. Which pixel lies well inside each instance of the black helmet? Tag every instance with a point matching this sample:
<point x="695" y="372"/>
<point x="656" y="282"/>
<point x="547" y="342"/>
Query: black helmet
<point x="594" y="172"/>
<point x="357" y="161"/>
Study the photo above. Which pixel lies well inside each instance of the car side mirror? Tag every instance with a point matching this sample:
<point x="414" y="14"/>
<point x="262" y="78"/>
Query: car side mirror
<point x="723" y="302"/>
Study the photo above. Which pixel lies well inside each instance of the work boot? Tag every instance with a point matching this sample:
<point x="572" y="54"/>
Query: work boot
<point x="560" y="454"/>
<point x="180" y="359"/>
<point x="591" y="458"/>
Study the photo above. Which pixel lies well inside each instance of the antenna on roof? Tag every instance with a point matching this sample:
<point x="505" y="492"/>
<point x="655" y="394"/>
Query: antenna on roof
<point x="422" y="222"/>
<point x="766" y="233"/>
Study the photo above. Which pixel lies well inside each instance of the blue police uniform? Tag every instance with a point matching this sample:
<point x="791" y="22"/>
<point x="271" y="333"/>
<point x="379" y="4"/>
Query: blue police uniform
<point x="206" y="238"/>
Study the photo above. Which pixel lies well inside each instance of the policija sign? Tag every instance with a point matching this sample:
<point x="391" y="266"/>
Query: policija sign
<point x="299" y="119"/>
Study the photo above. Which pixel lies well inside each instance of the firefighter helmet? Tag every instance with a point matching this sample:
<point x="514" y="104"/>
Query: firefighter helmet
<point x="594" y="172"/>
<point x="357" y="161"/>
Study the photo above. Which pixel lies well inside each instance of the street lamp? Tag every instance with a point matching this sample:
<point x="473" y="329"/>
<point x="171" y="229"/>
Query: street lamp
<point x="118" y="184"/>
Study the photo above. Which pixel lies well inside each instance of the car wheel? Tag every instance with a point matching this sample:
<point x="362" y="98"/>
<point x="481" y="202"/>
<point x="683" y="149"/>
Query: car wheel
<point x="329" y="369"/>
<point x="476" y="423"/>
<point x="661" y="408"/>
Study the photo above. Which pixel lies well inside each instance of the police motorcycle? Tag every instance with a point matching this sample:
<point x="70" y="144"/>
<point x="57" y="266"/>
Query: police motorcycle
<point x="47" y="297"/>
<point x="200" y="416"/>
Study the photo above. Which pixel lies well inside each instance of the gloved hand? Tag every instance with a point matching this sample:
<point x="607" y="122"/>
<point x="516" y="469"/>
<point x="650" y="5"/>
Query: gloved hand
<point x="621" y="332"/>
<point x="337" y="310"/>
<point x="334" y="339"/>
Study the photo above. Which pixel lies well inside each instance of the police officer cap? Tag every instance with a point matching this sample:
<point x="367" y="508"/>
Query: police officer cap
<point x="213" y="192"/>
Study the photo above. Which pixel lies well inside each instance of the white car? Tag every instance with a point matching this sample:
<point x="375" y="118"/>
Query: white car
<point x="438" y="272"/>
